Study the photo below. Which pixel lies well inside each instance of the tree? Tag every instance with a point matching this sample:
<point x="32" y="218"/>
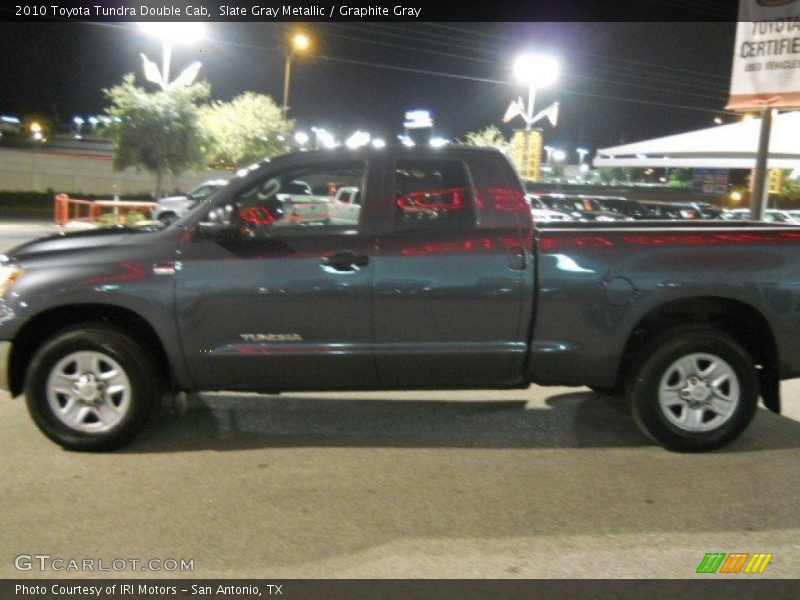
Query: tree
<point x="245" y="130"/>
<point x="790" y="190"/>
<point x="156" y="131"/>
<point x="679" y="178"/>
<point x="490" y="136"/>
<point x="606" y="174"/>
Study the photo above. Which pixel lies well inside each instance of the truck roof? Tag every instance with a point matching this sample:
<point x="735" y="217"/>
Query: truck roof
<point x="451" y="151"/>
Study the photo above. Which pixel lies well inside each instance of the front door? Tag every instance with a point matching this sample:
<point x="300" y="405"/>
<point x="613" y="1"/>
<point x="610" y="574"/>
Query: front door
<point x="286" y="301"/>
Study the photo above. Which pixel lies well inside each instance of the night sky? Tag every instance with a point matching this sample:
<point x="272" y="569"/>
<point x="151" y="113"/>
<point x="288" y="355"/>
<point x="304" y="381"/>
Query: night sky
<point x="666" y="77"/>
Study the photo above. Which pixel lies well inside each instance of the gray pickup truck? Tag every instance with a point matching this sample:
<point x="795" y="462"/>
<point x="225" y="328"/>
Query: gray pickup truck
<point x="441" y="281"/>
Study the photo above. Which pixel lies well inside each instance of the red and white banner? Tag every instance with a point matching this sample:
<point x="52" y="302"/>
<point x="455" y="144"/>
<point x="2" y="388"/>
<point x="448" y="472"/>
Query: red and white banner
<point x="766" y="60"/>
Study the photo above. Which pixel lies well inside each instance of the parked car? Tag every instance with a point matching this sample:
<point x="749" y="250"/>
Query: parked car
<point x="736" y="214"/>
<point x="629" y="208"/>
<point x="171" y="208"/>
<point x="771" y="215"/>
<point x="674" y="210"/>
<point x="602" y="215"/>
<point x="542" y="214"/>
<point x="345" y="207"/>
<point x="442" y="284"/>
<point x="795" y="214"/>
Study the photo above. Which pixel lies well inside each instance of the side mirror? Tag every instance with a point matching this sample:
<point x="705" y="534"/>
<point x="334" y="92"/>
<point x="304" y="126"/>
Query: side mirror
<point x="219" y="224"/>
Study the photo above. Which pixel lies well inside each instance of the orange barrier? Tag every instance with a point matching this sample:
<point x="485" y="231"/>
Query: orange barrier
<point x="71" y="209"/>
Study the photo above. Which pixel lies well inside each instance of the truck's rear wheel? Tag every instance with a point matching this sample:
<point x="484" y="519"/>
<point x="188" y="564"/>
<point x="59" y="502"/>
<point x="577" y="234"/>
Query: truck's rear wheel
<point x="694" y="390"/>
<point x="91" y="388"/>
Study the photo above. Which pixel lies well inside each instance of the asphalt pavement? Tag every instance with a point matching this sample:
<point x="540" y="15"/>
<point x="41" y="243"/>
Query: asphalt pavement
<point x="17" y="231"/>
<point x="543" y="482"/>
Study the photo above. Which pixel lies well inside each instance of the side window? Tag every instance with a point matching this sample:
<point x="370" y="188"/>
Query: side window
<point x="432" y="194"/>
<point x="302" y="200"/>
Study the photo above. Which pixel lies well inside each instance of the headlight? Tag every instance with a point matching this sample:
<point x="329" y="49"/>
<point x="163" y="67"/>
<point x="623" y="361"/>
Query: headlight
<point x="8" y="275"/>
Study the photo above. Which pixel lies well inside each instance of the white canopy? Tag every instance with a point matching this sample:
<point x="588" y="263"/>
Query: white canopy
<point x="731" y="146"/>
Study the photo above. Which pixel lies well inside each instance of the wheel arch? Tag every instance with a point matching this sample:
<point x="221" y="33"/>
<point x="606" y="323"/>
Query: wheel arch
<point x="43" y="326"/>
<point x="744" y="322"/>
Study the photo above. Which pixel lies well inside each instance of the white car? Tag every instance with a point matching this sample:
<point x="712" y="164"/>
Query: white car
<point x="545" y="215"/>
<point x="173" y="207"/>
<point x="542" y="214"/>
<point x="345" y="207"/>
<point x="771" y="215"/>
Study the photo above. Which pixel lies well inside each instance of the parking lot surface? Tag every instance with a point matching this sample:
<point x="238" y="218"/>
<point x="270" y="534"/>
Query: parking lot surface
<point x="545" y="482"/>
<point x="18" y="231"/>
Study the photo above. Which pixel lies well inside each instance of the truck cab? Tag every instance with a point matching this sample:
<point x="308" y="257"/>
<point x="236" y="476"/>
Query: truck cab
<point x="419" y="276"/>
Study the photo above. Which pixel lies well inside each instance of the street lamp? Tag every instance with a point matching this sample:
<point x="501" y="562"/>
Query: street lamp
<point x="358" y="139"/>
<point x="582" y="152"/>
<point x="78" y="125"/>
<point x="171" y="34"/>
<point x="301" y="137"/>
<point x="549" y="151"/>
<point x="300" y="43"/>
<point x="538" y="71"/>
<point x="323" y="138"/>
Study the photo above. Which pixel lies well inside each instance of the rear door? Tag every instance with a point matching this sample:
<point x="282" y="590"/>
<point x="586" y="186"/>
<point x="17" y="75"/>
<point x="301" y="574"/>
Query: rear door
<point x="448" y="277"/>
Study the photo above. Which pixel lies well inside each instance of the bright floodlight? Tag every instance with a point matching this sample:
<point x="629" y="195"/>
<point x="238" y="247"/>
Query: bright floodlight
<point x="301" y="138"/>
<point x="559" y="155"/>
<point x="175" y="33"/>
<point x="378" y="143"/>
<point x="301" y="42"/>
<point x="358" y="139"/>
<point x="537" y="70"/>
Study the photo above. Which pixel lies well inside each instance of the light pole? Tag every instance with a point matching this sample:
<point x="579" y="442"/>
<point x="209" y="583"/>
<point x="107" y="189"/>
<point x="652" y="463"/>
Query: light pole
<point x="582" y="152"/>
<point x="537" y="71"/>
<point x="171" y="34"/>
<point x="549" y="151"/>
<point x="300" y="42"/>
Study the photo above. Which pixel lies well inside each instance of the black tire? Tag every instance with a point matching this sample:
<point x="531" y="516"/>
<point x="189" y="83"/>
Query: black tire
<point x="146" y="386"/>
<point x="167" y="218"/>
<point x="658" y="357"/>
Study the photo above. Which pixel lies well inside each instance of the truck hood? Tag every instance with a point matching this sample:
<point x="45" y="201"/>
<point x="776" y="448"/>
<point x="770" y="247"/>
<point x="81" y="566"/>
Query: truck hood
<point x="80" y="240"/>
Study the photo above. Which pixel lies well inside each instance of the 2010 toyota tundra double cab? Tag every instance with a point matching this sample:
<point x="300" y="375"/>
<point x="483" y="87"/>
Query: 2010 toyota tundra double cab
<point x="440" y="280"/>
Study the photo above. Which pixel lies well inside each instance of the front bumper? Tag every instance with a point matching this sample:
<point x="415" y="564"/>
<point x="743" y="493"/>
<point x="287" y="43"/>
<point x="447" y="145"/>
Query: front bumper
<point x="5" y="352"/>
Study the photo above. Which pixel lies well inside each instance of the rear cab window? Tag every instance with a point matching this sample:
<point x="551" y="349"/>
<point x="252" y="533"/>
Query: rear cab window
<point x="432" y="194"/>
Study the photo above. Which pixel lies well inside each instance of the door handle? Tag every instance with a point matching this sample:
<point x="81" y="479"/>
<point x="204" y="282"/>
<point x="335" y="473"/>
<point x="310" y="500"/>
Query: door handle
<point x="345" y="261"/>
<point x="518" y="258"/>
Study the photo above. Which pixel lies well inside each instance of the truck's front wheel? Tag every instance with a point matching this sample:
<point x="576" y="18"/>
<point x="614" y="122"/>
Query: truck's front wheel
<point x="91" y="388"/>
<point x="695" y="390"/>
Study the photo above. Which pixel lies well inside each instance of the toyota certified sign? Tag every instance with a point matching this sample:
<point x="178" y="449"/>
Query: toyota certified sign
<point x="766" y="60"/>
